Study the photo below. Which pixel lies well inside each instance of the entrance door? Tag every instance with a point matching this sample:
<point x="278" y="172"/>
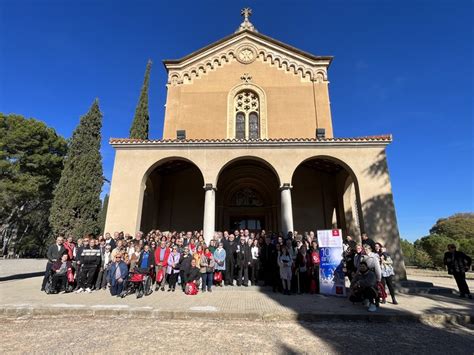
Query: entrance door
<point x="253" y="224"/>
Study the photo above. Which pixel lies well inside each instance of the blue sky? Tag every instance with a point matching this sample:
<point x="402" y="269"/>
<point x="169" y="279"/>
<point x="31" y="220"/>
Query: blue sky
<point x="400" y="67"/>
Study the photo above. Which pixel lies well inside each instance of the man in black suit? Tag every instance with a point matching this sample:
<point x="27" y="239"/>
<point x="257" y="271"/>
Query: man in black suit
<point x="244" y="259"/>
<point x="54" y="253"/>
<point x="230" y="247"/>
<point x="458" y="263"/>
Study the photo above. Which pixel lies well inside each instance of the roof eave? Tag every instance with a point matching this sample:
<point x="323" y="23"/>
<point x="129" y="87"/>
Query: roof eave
<point x="310" y="56"/>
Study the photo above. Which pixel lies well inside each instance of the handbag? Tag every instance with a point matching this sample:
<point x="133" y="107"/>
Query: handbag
<point x="381" y="290"/>
<point x="159" y="275"/>
<point x="218" y="276"/>
<point x="70" y="276"/>
<point x="191" y="289"/>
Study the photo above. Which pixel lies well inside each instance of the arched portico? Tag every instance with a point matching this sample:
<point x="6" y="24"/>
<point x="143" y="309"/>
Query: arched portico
<point x="325" y="195"/>
<point x="247" y="195"/>
<point x="173" y="196"/>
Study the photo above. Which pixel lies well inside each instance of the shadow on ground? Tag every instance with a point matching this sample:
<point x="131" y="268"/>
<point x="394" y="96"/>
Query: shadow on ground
<point x="439" y="330"/>
<point x="21" y="276"/>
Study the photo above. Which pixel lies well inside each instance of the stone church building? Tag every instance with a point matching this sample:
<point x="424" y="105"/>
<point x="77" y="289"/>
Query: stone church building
<point x="248" y="143"/>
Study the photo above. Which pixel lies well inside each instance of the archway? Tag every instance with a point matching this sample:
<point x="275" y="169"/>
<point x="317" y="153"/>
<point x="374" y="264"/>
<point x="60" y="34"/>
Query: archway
<point x="174" y="197"/>
<point x="247" y="196"/>
<point x="325" y="195"/>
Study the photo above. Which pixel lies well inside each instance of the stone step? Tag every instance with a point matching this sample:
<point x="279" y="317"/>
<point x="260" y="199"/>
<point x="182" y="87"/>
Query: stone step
<point x="426" y="290"/>
<point x="409" y="283"/>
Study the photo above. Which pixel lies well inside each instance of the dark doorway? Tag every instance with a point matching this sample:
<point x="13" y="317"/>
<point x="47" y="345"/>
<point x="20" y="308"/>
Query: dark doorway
<point x="173" y="198"/>
<point x="253" y="224"/>
<point x="248" y="197"/>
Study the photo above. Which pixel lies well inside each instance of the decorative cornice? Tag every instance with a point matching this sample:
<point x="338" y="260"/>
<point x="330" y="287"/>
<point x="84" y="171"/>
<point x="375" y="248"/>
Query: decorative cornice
<point x="368" y="140"/>
<point x="238" y="47"/>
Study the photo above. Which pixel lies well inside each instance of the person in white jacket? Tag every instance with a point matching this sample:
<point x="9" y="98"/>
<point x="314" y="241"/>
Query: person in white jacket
<point x="285" y="262"/>
<point x="373" y="261"/>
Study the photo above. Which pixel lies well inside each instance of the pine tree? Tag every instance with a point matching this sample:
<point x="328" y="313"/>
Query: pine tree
<point x="76" y="205"/>
<point x="103" y="213"/>
<point x="140" y="124"/>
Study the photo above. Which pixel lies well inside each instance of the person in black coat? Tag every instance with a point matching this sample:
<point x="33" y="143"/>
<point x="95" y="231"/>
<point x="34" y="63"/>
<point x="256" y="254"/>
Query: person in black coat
<point x="230" y="247"/>
<point x="184" y="266"/>
<point x="458" y="263"/>
<point x="55" y="252"/>
<point x="244" y="259"/>
<point x="90" y="259"/>
<point x="367" y="241"/>
<point x="193" y="274"/>
<point x="267" y="256"/>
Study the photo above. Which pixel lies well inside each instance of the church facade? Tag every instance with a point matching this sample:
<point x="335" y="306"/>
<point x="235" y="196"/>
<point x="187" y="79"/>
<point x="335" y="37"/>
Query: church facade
<point x="248" y="143"/>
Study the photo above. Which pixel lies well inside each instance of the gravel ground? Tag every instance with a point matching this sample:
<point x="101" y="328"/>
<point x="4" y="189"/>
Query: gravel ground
<point x="93" y="335"/>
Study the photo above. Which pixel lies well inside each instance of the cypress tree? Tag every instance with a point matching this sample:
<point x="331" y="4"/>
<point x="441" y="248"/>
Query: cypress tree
<point x="139" y="129"/>
<point x="103" y="213"/>
<point x="76" y="205"/>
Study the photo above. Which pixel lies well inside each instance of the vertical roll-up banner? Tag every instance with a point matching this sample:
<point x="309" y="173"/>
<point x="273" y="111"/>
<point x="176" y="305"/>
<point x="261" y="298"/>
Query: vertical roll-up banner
<point x="331" y="275"/>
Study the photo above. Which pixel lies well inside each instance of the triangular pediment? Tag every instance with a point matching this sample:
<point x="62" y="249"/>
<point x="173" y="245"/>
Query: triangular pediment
<point x="247" y="46"/>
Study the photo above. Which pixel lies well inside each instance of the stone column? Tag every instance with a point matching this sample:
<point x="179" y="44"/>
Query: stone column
<point x="286" y="209"/>
<point x="209" y="212"/>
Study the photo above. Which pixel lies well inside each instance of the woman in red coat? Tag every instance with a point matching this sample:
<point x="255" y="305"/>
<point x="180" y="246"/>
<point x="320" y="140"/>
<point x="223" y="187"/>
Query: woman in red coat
<point x="162" y="254"/>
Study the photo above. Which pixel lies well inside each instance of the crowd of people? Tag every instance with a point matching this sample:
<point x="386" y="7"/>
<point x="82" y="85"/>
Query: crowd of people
<point x="288" y="264"/>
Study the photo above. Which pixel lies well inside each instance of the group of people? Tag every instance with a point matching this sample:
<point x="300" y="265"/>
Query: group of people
<point x="370" y="270"/>
<point x="288" y="264"/>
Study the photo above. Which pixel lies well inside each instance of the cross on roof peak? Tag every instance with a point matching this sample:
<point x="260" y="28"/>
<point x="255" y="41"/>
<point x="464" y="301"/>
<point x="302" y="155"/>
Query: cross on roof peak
<point x="246" y="12"/>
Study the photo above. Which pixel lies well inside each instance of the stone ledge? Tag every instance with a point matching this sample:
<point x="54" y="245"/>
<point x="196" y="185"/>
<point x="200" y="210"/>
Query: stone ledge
<point x="151" y="313"/>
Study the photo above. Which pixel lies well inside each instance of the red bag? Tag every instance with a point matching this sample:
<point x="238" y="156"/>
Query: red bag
<point x="70" y="276"/>
<point x="136" y="277"/>
<point x="191" y="289"/>
<point x="315" y="258"/>
<point x="218" y="276"/>
<point x="381" y="290"/>
<point x="160" y="275"/>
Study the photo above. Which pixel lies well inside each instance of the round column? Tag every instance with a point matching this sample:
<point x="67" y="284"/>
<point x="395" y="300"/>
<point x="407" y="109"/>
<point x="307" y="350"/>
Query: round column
<point x="286" y="209"/>
<point x="209" y="212"/>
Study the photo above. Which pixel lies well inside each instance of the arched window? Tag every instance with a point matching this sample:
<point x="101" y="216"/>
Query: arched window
<point x="254" y="127"/>
<point x="240" y="126"/>
<point x="247" y="118"/>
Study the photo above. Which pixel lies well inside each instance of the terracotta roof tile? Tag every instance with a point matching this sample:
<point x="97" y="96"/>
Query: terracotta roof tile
<point x="377" y="138"/>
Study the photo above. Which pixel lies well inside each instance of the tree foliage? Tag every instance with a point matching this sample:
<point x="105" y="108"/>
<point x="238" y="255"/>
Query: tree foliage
<point x="457" y="229"/>
<point x="458" y="226"/>
<point x="76" y="205"/>
<point x="435" y="246"/>
<point x="140" y="124"/>
<point x="422" y="258"/>
<point x="31" y="160"/>
<point x="103" y="213"/>
<point x="408" y="250"/>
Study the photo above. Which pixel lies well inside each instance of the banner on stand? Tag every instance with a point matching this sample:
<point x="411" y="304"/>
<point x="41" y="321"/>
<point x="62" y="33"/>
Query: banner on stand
<point x="331" y="275"/>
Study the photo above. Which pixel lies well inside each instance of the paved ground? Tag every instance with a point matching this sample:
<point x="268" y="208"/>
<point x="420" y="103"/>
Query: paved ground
<point x="236" y="303"/>
<point x="233" y="320"/>
<point x="9" y="267"/>
<point x="230" y="302"/>
<point x="82" y="335"/>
